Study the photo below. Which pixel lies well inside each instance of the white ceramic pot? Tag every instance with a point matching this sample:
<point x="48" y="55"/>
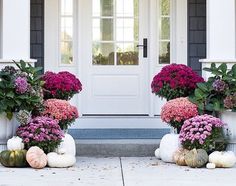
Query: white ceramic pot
<point x="7" y="129"/>
<point x="229" y="118"/>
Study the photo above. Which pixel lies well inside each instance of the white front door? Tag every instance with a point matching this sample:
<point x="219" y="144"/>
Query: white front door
<point x="115" y="70"/>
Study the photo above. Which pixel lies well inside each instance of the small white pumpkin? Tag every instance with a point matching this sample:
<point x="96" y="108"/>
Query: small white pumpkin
<point x="68" y="145"/>
<point x="211" y="166"/>
<point x="15" y="143"/>
<point x="60" y="160"/>
<point x="168" y="145"/>
<point x="223" y="159"/>
<point x="157" y="153"/>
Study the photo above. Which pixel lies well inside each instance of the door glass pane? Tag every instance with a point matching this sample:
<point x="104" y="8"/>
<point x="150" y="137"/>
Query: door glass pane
<point x="165" y="7"/>
<point x="119" y="28"/>
<point x="66" y="52"/>
<point x="127" y="54"/>
<point x="66" y="7"/>
<point x="66" y="32"/>
<point x="103" y="8"/>
<point x="103" y="29"/>
<point x="165" y="28"/>
<point x="164" y="56"/>
<point x="127" y="8"/>
<point x="103" y="53"/>
<point x="164" y="32"/>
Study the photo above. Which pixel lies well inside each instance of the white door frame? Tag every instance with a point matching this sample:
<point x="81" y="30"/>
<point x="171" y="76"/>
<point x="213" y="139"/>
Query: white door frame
<point x="52" y="55"/>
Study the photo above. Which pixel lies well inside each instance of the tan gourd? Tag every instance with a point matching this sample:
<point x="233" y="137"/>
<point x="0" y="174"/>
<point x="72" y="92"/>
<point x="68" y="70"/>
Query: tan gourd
<point x="36" y="158"/>
<point x="196" y="158"/>
<point x="179" y="157"/>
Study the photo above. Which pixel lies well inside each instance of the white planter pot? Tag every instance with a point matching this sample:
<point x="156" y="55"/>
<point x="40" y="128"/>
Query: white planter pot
<point x="229" y="118"/>
<point x="7" y="129"/>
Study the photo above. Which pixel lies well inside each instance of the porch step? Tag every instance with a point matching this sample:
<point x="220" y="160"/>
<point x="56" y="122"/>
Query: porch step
<point x="113" y="148"/>
<point x="115" y="142"/>
<point x="117" y="148"/>
<point x="118" y="133"/>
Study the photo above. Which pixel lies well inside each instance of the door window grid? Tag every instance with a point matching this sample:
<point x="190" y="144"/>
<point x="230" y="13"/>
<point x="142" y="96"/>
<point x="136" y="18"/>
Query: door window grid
<point x="164" y="31"/>
<point x="66" y="31"/>
<point x="115" y="44"/>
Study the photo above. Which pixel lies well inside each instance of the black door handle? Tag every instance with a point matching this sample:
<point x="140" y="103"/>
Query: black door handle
<point x="145" y="47"/>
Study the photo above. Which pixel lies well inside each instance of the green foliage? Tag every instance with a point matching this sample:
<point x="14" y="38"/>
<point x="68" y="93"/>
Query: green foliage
<point x="209" y="100"/>
<point x="10" y="100"/>
<point x="46" y="146"/>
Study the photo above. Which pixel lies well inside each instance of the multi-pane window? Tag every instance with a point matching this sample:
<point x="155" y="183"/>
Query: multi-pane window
<point x="115" y="32"/>
<point x="66" y="31"/>
<point x="164" y="31"/>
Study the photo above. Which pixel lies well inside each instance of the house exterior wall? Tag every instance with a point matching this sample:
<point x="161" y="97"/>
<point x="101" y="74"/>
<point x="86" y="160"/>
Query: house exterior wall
<point x="196" y="33"/>
<point x="37" y="31"/>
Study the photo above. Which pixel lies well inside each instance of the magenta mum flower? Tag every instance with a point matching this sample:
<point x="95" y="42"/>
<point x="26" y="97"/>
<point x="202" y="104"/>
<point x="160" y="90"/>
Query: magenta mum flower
<point x="175" y="80"/>
<point x="43" y="132"/>
<point x="62" y="85"/>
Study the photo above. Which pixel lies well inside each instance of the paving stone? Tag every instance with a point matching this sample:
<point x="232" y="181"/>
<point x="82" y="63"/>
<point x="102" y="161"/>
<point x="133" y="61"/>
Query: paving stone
<point x="152" y="172"/>
<point x="87" y="172"/>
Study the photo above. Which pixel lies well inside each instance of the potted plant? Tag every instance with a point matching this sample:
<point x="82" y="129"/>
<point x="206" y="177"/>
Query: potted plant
<point x="43" y="132"/>
<point x="203" y="132"/>
<point x="62" y="85"/>
<point x="176" y="111"/>
<point x="217" y="96"/>
<point x="20" y="89"/>
<point x="62" y="111"/>
<point x="175" y="80"/>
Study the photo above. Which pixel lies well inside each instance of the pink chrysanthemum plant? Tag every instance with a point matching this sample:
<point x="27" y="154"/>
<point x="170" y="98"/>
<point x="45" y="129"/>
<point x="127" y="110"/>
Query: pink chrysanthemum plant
<point x="43" y="132"/>
<point x="176" y="111"/>
<point x="62" y="111"/>
<point x="203" y="132"/>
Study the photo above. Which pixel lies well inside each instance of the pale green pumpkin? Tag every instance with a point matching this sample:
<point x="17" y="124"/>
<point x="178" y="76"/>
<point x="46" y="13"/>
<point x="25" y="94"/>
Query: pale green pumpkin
<point x="196" y="158"/>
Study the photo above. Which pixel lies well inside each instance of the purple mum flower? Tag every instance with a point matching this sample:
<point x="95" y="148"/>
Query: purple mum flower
<point x="219" y="85"/>
<point x="21" y="85"/>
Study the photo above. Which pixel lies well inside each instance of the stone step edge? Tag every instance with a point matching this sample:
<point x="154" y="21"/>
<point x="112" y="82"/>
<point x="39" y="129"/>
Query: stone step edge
<point x="112" y="148"/>
<point x="117" y="148"/>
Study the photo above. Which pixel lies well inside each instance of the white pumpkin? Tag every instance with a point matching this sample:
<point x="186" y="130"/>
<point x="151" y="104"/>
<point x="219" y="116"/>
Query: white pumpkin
<point x="157" y="153"/>
<point x="68" y="145"/>
<point x="60" y="160"/>
<point x="223" y="159"/>
<point x="211" y="166"/>
<point x="15" y="143"/>
<point x="168" y="145"/>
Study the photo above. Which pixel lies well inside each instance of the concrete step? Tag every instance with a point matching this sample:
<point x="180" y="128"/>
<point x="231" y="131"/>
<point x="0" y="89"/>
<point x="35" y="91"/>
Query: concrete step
<point x="117" y="148"/>
<point x="112" y="148"/>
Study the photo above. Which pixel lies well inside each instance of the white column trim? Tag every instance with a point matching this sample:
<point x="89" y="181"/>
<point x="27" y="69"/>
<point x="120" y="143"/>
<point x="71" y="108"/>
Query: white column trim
<point x="15" y="29"/>
<point x="221" y="29"/>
